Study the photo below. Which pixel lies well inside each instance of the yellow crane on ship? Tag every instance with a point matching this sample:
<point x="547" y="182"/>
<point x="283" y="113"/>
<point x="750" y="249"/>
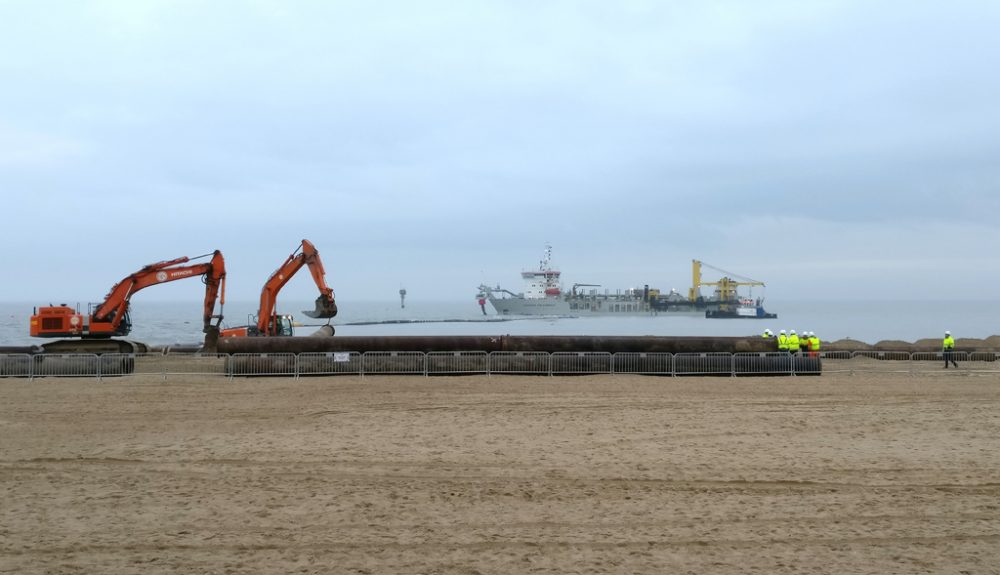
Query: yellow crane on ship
<point x="725" y="288"/>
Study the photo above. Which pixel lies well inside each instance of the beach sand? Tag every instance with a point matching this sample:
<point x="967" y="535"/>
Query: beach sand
<point x="877" y="473"/>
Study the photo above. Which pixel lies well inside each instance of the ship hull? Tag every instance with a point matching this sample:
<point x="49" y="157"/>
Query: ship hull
<point x="742" y="313"/>
<point x="605" y="306"/>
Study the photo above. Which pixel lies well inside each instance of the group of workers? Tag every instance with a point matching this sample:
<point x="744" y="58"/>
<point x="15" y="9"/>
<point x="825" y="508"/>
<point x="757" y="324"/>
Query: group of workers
<point x="809" y="343"/>
<point x="791" y="342"/>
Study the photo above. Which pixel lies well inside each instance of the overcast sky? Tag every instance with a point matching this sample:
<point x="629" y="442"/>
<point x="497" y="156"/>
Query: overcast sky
<point x="831" y="149"/>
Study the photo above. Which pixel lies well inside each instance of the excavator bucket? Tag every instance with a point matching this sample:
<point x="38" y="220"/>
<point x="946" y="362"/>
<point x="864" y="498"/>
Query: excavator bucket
<point x="211" y="339"/>
<point x="325" y="308"/>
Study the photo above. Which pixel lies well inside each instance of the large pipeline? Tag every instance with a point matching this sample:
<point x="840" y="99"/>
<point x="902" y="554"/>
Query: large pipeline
<point x="545" y="343"/>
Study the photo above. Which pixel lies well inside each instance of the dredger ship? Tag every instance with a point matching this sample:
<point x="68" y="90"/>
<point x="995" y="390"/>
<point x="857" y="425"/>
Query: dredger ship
<point x="543" y="295"/>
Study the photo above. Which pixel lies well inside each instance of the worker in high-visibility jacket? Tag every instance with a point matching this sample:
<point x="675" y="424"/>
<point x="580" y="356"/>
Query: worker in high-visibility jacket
<point x="947" y="347"/>
<point x="804" y="343"/>
<point x="793" y="342"/>
<point x="782" y="341"/>
<point x="768" y="334"/>
<point x="814" y="344"/>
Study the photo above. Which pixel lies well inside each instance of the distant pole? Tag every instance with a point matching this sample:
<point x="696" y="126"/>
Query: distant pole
<point x="402" y="297"/>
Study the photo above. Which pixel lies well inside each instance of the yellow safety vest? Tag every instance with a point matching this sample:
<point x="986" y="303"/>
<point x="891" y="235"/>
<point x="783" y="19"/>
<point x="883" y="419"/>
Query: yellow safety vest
<point x="793" y="342"/>
<point x="814" y="343"/>
<point x="949" y="343"/>
<point x="782" y="342"/>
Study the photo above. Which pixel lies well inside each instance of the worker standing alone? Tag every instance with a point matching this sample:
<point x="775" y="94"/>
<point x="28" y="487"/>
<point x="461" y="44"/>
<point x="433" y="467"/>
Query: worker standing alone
<point x="947" y="347"/>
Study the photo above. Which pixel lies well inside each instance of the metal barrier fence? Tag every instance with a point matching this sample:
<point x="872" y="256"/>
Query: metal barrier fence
<point x="394" y="362"/>
<point x="771" y="363"/>
<point x="457" y="362"/>
<point x="584" y="362"/>
<point x="65" y="365"/>
<point x="656" y="363"/>
<point x="714" y="363"/>
<point x="519" y="362"/>
<point x="330" y="363"/>
<point x="492" y="363"/>
<point x="180" y="364"/>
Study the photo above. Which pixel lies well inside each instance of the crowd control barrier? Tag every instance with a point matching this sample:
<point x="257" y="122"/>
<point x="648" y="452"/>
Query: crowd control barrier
<point x="491" y="363"/>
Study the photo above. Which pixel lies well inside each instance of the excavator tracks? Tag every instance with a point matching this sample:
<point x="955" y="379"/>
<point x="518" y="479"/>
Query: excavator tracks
<point x="95" y="346"/>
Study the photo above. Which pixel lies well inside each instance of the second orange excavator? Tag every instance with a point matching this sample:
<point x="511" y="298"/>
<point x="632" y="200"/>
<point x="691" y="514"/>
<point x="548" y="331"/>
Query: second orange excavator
<point x="268" y="322"/>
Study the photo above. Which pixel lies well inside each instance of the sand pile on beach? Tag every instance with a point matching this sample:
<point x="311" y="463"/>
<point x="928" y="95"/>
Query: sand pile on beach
<point x="969" y="344"/>
<point x="626" y="474"/>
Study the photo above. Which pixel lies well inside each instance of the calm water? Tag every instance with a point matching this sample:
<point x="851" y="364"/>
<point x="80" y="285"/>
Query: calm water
<point x="163" y="323"/>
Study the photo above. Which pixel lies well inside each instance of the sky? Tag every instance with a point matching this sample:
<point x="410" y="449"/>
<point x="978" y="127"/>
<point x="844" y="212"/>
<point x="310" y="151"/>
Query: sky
<point x="833" y="150"/>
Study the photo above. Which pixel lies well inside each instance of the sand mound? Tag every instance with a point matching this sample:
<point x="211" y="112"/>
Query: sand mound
<point x="928" y="344"/>
<point x="846" y="344"/>
<point x="893" y="345"/>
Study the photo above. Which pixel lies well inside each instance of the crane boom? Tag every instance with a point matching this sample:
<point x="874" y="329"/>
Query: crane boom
<point x="726" y="286"/>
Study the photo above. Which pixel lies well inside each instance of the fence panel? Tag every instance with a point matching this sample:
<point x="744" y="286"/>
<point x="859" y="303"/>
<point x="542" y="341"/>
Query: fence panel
<point x="181" y="364"/>
<point x="394" y="362"/>
<point x="766" y="363"/>
<point x="582" y="362"/>
<point x="714" y="363"/>
<point x="654" y="363"/>
<point x="261" y="364"/>
<point x="835" y="361"/>
<point x="519" y="362"/>
<point x="330" y="363"/>
<point x="113" y="364"/>
<point x="65" y="365"/>
<point x="457" y="362"/>
<point x="15" y="365"/>
<point x="984" y="362"/>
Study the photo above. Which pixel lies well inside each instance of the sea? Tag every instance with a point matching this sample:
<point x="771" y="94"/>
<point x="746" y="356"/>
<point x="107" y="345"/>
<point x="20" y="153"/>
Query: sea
<point x="179" y="323"/>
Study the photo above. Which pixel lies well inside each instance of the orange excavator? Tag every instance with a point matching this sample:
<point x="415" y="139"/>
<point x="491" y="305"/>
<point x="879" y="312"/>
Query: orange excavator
<point x="268" y="322"/>
<point x="110" y="318"/>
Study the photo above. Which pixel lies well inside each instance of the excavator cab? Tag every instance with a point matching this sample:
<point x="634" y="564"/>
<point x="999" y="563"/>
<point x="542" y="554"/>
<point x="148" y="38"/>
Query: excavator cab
<point x="281" y="324"/>
<point x="325" y="308"/>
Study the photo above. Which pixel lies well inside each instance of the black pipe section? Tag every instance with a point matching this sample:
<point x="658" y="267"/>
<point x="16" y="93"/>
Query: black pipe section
<point x="548" y="343"/>
<point x="11" y="349"/>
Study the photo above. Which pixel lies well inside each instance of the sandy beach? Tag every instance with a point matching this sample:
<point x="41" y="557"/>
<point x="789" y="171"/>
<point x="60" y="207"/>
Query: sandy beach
<point x="875" y="473"/>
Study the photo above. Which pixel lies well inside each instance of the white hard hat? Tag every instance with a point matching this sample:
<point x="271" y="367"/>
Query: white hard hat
<point x="793" y="331"/>
<point x="947" y="333"/>
<point x="782" y="331"/>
